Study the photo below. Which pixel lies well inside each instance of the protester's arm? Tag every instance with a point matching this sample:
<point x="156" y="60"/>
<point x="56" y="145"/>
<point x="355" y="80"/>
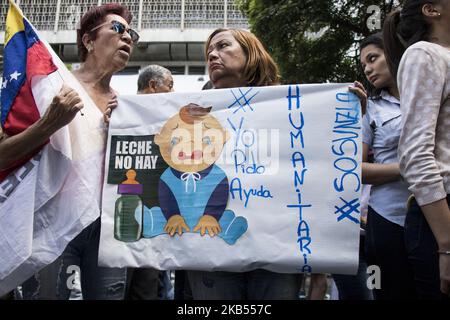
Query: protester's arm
<point x="112" y="104"/>
<point x="318" y="287"/>
<point x="374" y="173"/>
<point x="61" y="111"/>
<point x="377" y="173"/>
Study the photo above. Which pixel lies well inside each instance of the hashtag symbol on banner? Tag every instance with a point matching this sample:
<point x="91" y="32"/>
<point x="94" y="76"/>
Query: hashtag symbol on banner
<point x="347" y="209"/>
<point x="241" y="100"/>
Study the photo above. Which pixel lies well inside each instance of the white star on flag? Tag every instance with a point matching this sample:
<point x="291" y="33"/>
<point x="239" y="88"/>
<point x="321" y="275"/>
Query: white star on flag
<point x="15" y="75"/>
<point x="4" y="83"/>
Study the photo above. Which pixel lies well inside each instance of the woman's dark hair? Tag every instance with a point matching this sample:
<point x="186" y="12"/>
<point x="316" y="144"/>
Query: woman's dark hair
<point x="94" y="17"/>
<point x="375" y="39"/>
<point x="402" y="28"/>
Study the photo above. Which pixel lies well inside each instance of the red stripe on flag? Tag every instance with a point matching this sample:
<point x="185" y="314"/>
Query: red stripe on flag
<point x="23" y="112"/>
<point x="39" y="61"/>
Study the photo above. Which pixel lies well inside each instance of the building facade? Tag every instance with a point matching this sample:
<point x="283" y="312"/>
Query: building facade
<point x="173" y="32"/>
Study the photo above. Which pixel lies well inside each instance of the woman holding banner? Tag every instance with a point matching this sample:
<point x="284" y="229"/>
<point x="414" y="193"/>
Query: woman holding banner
<point x="382" y="124"/>
<point x="417" y="45"/>
<point x="236" y="58"/>
<point x="105" y="43"/>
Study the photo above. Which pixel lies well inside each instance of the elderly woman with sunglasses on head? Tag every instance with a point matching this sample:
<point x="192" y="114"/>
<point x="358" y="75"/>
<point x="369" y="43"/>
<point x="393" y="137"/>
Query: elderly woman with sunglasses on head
<point x="105" y="43"/>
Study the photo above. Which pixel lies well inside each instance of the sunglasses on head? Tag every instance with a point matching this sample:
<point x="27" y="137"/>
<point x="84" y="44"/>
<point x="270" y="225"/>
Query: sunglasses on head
<point x="120" y="28"/>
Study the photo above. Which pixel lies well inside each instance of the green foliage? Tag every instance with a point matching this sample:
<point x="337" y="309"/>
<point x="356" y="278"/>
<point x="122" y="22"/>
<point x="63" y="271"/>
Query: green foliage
<point x="313" y="40"/>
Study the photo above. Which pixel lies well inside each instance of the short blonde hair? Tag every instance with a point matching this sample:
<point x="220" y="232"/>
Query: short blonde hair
<point x="260" y="69"/>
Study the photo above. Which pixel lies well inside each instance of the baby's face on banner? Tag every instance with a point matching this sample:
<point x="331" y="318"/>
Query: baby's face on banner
<point x="191" y="147"/>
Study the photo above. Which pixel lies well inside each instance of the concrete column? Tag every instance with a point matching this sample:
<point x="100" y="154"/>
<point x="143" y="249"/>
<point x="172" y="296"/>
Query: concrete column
<point x="139" y="27"/>
<point x="182" y="14"/>
<point x="225" y="13"/>
<point x="58" y="11"/>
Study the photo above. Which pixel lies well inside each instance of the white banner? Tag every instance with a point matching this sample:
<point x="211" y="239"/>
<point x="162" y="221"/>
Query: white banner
<point x="234" y="180"/>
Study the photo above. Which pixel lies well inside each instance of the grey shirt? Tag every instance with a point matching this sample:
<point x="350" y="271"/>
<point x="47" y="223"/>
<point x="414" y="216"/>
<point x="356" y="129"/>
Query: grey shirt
<point x="424" y="150"/>
<point x="381" y="132"/>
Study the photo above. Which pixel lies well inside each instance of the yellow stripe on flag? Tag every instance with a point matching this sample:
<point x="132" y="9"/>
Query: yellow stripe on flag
<point x="14" y="21"/>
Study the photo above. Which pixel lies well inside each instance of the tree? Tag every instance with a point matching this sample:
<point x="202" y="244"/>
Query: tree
<point x="315" y="40"/>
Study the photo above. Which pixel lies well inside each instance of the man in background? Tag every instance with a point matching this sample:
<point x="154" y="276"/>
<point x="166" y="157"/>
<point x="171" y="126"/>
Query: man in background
<point x="155" y="79"/>
<point x="149" y="283"/>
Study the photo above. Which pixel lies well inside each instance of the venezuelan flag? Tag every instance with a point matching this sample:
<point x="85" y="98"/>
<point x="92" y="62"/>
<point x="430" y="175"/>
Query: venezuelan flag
<point x="25" y="56"/>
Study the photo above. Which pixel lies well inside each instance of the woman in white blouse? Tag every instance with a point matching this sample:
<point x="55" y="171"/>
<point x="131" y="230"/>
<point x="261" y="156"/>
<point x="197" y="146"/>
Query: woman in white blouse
<point x="417" y="43"/>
